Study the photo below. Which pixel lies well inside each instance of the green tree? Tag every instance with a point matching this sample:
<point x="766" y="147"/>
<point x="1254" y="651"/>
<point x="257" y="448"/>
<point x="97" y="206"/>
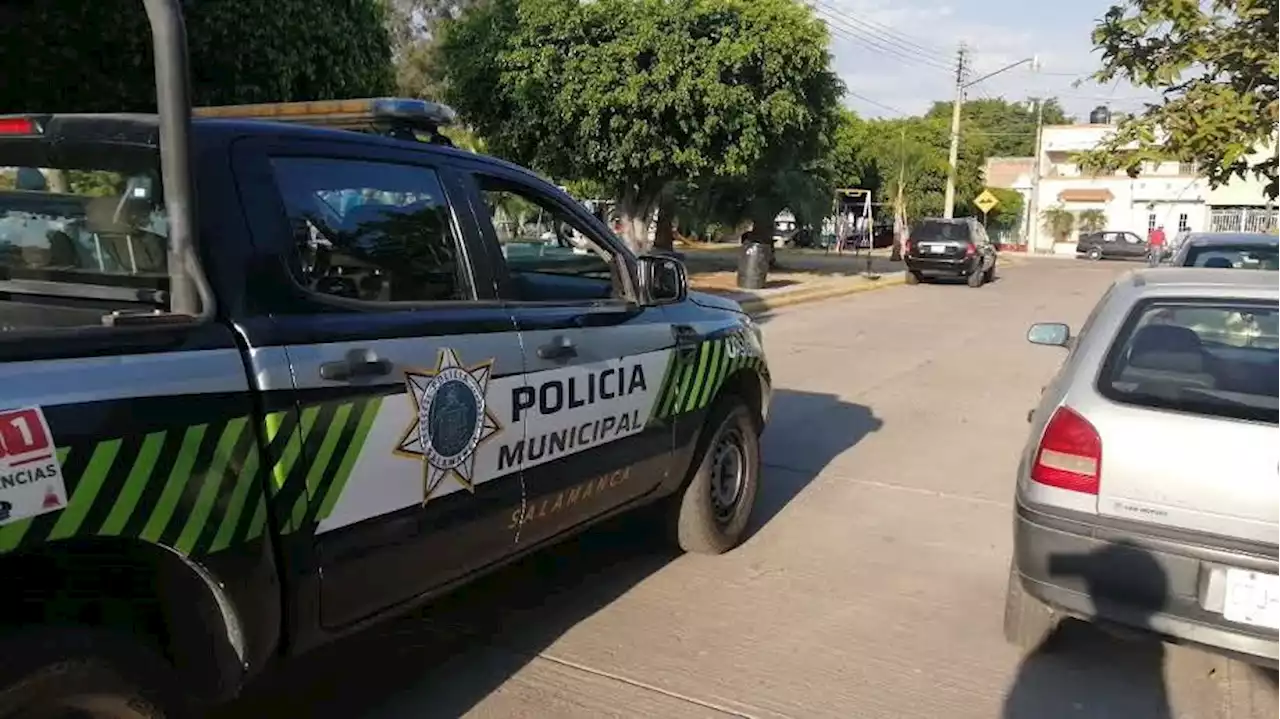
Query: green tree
<point x="1008" y="127"/>
<point x="1007" y="215"/>
<point x="1091" y="221"/>
<point x="641" y="94"/>
<point x="1215" y="65"/>
<point x="71" y="55"/>
<point x="1058" y="222"/>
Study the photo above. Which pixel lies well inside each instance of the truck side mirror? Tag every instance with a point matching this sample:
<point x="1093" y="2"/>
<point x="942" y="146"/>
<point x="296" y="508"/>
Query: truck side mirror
<point x="663" y="280"/>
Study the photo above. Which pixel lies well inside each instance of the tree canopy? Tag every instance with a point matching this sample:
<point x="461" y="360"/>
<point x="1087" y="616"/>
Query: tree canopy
<point x="1215" y="64"/>
<point x="72" y="55"/>
<point x="639" y="94"/>
<point x="1009" y="127"/>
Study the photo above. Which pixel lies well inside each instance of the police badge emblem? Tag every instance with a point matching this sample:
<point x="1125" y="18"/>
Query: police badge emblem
<point x="450" y="421"/>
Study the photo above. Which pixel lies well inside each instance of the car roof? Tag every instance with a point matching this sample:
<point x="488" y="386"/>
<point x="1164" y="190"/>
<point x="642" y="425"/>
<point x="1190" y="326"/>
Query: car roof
<point x="140" y="129"/>
<point x="1232" y="238"/>
<point x="1212" y="282"/>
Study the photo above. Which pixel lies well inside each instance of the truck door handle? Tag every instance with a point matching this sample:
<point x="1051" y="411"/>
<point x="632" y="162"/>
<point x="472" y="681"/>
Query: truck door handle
<point x="358" y="363"/>
<point x="687" y="340"/>
<point x="559" y="348"/>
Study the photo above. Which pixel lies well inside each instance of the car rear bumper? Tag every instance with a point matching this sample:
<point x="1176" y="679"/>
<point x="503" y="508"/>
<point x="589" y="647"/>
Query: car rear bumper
<point x="958" y="266"/>
<point x="1170" y="587"/>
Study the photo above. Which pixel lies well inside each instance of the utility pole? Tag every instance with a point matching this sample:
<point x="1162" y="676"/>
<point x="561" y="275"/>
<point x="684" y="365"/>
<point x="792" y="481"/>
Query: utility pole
<point x="949" y="203"/>
<point x="1033" y="202"/>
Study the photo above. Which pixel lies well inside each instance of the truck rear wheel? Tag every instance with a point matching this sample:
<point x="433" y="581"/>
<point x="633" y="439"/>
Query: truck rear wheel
<point x="85" y="674"/>
<point x="913" y="277"/>
<point x="712" y="511"/>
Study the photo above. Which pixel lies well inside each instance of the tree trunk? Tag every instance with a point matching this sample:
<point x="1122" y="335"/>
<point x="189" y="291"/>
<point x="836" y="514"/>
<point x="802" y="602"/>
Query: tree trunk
<point x="664" y="234"/>
<point x="635" y="209"/>
<point x="762" y="231"/>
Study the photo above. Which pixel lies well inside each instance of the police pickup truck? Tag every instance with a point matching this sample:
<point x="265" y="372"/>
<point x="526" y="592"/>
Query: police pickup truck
<point x="344" y="395"/>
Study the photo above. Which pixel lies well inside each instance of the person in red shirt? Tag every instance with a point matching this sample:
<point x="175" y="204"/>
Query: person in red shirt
<point x="1155" y="246"/>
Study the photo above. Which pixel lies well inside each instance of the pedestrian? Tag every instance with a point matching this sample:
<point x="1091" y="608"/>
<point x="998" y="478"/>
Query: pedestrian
<point x="1155" y="246"/>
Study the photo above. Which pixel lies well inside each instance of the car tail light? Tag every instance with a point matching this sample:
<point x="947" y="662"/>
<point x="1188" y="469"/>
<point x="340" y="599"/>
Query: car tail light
<point x="18" y="126"/>
<point x="1070" y="454"/>
<point x="970" y="250"/>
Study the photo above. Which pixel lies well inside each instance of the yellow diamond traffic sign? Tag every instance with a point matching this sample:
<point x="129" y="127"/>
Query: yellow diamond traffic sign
<point x="985" y="201"/>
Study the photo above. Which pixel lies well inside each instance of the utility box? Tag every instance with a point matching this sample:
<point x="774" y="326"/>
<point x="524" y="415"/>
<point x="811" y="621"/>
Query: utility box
<point x="753" y="266"/>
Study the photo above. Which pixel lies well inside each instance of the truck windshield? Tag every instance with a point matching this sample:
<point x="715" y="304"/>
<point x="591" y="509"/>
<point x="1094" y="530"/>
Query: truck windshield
<point x="86" y="224"/>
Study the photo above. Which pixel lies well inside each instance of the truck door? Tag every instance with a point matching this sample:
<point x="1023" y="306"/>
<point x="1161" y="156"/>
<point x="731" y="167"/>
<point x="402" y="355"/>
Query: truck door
<point x="395" y="348"/>
<point x="595" y="361"/>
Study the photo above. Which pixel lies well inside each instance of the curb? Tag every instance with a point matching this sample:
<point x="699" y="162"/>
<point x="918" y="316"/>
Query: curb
<point x="762" y="305"/>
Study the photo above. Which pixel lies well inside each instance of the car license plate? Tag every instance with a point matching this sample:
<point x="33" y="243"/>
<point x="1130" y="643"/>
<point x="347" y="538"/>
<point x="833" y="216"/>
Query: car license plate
<point x="937" y="249"/>
<point x="1252" y="598"/>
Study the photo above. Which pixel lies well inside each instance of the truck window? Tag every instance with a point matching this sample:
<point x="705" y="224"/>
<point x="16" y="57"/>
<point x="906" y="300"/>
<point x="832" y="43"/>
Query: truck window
<point x="82" y="234"/>
<point x="371" y="231"/>
<point x="551" y="255"/>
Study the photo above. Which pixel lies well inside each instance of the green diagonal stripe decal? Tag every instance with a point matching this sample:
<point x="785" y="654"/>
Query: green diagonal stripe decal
<point x="240" y="496"/>
<point x="320" y="462"/>
<point x="212" y="484"/>
<point x="86" y="491"/>
<point x="349" y="455"/>
<point x="176" y="483"/>
<point x="136" y="482"/>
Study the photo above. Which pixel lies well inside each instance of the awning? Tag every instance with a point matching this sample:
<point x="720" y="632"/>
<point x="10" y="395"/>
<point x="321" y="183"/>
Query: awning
<point x="1085" y="196"/>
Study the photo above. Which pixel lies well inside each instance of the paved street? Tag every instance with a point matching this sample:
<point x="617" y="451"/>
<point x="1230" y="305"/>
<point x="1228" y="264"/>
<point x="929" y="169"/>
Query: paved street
<point x="872" y="587"/>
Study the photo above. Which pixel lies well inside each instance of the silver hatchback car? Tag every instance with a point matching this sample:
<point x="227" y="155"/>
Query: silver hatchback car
<point x="1148" y="492"/>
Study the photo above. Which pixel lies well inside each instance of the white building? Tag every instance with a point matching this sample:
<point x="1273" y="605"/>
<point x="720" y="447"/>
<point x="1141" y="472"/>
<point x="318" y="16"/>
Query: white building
<point x="1013" y="173"/>
<point x="1171" y="195"/>
<point x="1241" y="205"/>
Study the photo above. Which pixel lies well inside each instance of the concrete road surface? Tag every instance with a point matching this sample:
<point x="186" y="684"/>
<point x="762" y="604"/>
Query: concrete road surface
<point x="872" y="585"/>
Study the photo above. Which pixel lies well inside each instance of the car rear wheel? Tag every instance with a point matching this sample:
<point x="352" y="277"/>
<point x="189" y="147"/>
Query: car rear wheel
<point x="990" y="274"/>
<point x="976" y="278"/>
<point x="85" y="674"/>
<point x="914" y="277"/>
<point x="712" y="512"/>
<point x="1094" y="254"/>
<point x="1028" y="623"/>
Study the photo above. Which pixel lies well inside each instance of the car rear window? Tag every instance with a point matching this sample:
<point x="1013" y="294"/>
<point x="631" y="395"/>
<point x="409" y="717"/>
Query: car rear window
<point x="1240" y="257"/>
<point x="1205" y="357"/>
<point x="933" y="231"/>
<point x="83" y="227"/>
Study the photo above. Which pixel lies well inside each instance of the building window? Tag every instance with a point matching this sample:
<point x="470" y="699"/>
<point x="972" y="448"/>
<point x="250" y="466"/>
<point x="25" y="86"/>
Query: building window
<point x="1187" y="168"/>
<point x="1151" y="222"/>
<point x="1183" y="225"/>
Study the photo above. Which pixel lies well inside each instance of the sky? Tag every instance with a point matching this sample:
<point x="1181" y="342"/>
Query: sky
<point x="899" y="56"/>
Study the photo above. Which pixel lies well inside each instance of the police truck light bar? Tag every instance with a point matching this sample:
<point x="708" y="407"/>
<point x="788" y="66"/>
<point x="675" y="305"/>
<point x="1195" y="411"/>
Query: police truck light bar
<point x="397" y="117"/>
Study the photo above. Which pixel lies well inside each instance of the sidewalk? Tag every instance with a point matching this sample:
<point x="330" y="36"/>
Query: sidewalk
<point x="802" y="275"/>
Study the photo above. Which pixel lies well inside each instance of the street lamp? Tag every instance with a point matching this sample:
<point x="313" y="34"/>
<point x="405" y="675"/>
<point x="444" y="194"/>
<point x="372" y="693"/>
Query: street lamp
<point x="949" y="203"/>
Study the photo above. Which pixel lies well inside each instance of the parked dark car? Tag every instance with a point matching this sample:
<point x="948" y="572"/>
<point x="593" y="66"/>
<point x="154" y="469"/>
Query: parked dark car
<point x="956" y="247"/>
<point x="1111" y="245"/>
<point x="1233" y="250"/>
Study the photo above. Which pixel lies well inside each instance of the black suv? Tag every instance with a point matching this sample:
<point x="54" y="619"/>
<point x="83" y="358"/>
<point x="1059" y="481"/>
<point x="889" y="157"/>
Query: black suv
<point x="950" y="248"/>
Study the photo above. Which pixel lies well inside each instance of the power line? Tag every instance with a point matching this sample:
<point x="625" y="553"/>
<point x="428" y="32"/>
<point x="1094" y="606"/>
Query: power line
<point x="891" y="35"/>
<point x="877" y="103"/>
<point x="851" y="31"/>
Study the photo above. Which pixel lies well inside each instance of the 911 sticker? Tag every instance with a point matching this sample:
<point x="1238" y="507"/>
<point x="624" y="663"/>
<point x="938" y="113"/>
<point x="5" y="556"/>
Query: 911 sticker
<point x="31" y="481"/>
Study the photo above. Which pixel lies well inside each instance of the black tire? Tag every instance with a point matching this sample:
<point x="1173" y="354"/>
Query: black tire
<point x="86" y="673"/>
<point x="700" y="524"/>
<point x="990" y="274"/>
<point x="1028" y="623"/>
<point x="1094" y="254"/>
<point x="913" y="277"/>
<point x="976" y="277"/>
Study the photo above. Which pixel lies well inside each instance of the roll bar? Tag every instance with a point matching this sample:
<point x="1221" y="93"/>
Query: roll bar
<point x="173" y="105"/>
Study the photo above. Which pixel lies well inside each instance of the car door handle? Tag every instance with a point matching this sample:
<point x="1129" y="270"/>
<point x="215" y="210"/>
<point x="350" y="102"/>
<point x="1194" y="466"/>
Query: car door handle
<point x="559" y="348"/>
<point x="687" y="340"/>
<point x="359" y="363"/>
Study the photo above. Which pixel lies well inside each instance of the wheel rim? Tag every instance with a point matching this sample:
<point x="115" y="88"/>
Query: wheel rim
<point x="728" y="474"/>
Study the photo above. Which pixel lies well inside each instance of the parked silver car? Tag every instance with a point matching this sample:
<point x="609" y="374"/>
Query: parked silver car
<point x="1148" y="492"/>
